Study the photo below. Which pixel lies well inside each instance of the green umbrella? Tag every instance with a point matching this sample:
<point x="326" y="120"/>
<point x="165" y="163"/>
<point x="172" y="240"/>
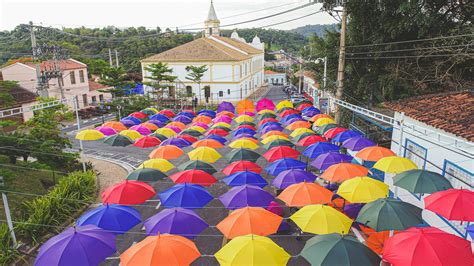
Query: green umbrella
<point x="325" y="128"/>
<point x="267" y="115"/>
<point x="191" y="132"/>
<point x="421" y="181"/>
<point x="284" y="109"/>
<point x="303" y="101"/>
<point x="146" y="175"/>
<point x="336" y="249"/>
<point x="242" y="155"/>
<point x="148" y="112"/>
<point x="197" y="165"/>
<point x="246" y="123"/>
<point x="389" y="214"/>
<point x="304" y="135"/>
<point x="222" y="127"/>
<point x="118" y="140"/>
<point x="159" y="136"/>
<point x="278" y="142"/>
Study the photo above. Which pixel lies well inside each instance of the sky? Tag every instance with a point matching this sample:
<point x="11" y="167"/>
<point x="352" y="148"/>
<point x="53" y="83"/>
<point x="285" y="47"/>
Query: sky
<point x="153" y="13"/>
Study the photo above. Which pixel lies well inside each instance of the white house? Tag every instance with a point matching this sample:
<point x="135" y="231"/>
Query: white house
<point x="275" y="78"/>
<point x="235" y="67"/>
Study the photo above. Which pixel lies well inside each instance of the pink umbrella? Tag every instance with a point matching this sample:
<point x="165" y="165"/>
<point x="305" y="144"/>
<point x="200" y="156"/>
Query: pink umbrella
<point x="141" y="129"/>
<point x="248" y="113"/>
<point x="199" y="124"/>
<point x="108" y="131"/>
<point x="265" y="104"/>
<point x="175" y="129"/>
<point x="222" y="118"/>
<point x="275" y="208"/>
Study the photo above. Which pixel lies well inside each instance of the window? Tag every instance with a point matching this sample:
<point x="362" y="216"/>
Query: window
<point x="81" y="76"/>
<point x="228" y="91"/>
<point x="94" y="99"/>
<point x="416" y="153"/>
<point x="101" y="97"/>
<point x="189" y="91"/>
<point x="458" y="176"/>
<point x="73" y="77"/>
<point x="221" y="94"/>
<point x="84" y="99"/>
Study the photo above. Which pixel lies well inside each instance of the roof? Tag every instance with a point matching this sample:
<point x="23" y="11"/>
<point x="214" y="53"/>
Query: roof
<point x="240" y="45"/>
<point x="68" y="64"/>
<point x="212" y="13"/>
<point x="21" y="95"/>
<point x="270" y="72"/>
<point x="93" y="86"/>
<point x="452" y="112"/>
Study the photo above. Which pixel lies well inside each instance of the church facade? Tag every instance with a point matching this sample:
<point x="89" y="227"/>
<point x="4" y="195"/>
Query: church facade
<point x="235" y="68"/>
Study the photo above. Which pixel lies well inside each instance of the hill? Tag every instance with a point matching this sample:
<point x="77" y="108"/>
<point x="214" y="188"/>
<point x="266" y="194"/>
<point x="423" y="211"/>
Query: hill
<point x="318" y="29"/>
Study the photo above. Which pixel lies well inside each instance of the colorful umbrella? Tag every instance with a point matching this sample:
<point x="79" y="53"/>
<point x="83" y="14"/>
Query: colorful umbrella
<point x="297" y="132"/>
<point x="247" y="127"/>
<point x="216" y="137"/>
<point x="138" y="115"/>
<point x="266" y="111"/>
<point x="160" y="117"/>
<point x="161" y="250"/>
<point x="302" y="194"/>
<point x="453" y="204"/>
<point x="357" y="143"/>
<point x="362" y="189"/>
<point x="128" y="193"/>
<point x="217" y="131"/>
<point x="243" y="144"/>
<point x="331" y="133"/>
<point x="374" y="153"/>
<point x="221" y="124"/>
<point x="243" y="118"/>
<point x="352" y="210"/>
<point x="115" y="125"/>
<point x="167" y="112"/>
<point x="178" y="142"/>
<point x="130" y="120"/>
<point x="394" y="165"/>
<point x="239" y="166"/>
<point x="200" y="129"/>
<point x="272" y="138"/>
<point x="226" y="113"/>
<point x="176" y="221"/>
<point x="270" y="127"/>
<point x="107" y="131"/>
<point x="288" y="112"/>
<point x="244" y="131"/>
<point x="245" y="106"/>
<point x="267" y="115"/>
<point x="246" y="195"/>
<point x="161" y="164"/>
<point x="177" y="124"/>
<point x="421" y="181"/>
<point x="189" y="196"/>
<point x="222" y="118"/>
<point x="292" y="176"/>
<point x="192" y="131"/>
<point x="324" y="128"/>
<point x="225" y="106"/>
<point x="211" y="143"/>
<point x="266" y="120"/>
<point x="205" y="154"/>
<point x="242" y="155"/>
<point x="77" y="246"/>
<point x="316" y="149"/>
<point x="298" y="124"/>
<point x="197" y="165"/>
<point x="168" y="152"/>
<point x="310" y="140"/>
<point x="183" y="119"/>
<point x="249" y="220"/>
<point x="340" y="172"/>
<point x="243" y="178"/>
<point x="344" y="135"/>
<point x="198" y="177"/>
<point x="321" y="219"/>
<point x="146" y="175"/>
<point x="114" y="218"/>
<point x="159" y="136"/>
<point x="132" y="134"/>
<point x="278" y="142"/>
<point x="157" y="123"/>
<point x="316" y="117"/>
<point x="265" y="104"/>
<point x="323" y="161"/>
<point x="147" y="142"/>
<point x="141" y="129"/>
<point x="277" y="153"/>
<point x="118" y="140"/>
<point x="89" y="134"/>
<point x="151" y="126"/>
<point x="284" y="104"/>
<point x="281" y="165"/>
<point x="323" y="121"/>
<point x="168" y="132"/>
<point x="273" y="133"/>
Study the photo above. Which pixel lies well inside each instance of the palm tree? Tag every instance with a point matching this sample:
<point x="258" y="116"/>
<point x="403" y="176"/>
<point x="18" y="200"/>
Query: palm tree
<point x="195" y="74"/>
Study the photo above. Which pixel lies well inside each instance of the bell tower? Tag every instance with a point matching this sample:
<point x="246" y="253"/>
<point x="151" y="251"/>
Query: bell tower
<point x="212" y="23"/>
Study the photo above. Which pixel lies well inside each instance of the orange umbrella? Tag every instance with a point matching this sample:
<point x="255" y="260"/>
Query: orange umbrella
<point x="245" y="106"/>
<point x="274" y="133"/>
<point x="376" y="240"/>
<point x="227" y="113"/>
<point x="203" y="119"/>
<point x="150" y="126"/>
<point x="115" y="125"/>
<point x="316" y="117"/>
<point x="302" y="194"/>
<point x="177" y="124"/>
<point x="374" y="153"/>
<point x="339" y="204"/>
<point x="211" y="143"/>
<point x="161" y="250"/>
<point x="249" y="220"/>
<point x="340" y="172"/>
<point x="168" y="152"/>
<point x="298" y="124"/>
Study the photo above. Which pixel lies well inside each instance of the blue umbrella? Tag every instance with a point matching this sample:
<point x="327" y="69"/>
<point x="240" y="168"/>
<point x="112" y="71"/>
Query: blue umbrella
<point x="216" y="137"/>
<point x="177" y="221"/>
<point x="345" y="135"/>
<point x="357" y="143"/>
<point x="189" y="196"/>
<point x="271" y="128"/>
<point x="323" y="161"/>
<point x="470" y="231"/>
<point x="246" y="195"/>
<point x="310" y="108"/>
<point x="245" y="177"/>
<point x="243" y="131"/>
<point x="183" y="119"/>
<point x="281" y="165"/>
<point x="269" y="123"/>
<point x="116" y="218"/>
<point x="209" y="113"/>
<point x="292" y="176"/>
<point x="318" y="148"/>
<point x="292" y="116"/>
<point x="135" y="120"/>
<point x="310" y="113"/>
<point x="188" y="114"/>
<point x="160" y="117"/>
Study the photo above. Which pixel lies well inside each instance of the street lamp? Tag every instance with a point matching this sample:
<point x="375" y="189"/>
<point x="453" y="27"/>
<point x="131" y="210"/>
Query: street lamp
<point x="325" y="60"/>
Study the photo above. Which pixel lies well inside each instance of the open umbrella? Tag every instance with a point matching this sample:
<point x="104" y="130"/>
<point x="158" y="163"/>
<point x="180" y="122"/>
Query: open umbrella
<point x="316" y="149"/>
<point x="321" y="219"/>
<point x="299" y="131"/>
<point x="362" y="189"/>
<point x="323" y="161"/>
<point x="161" y="164"/>
<point x="77" y="246"/>
<point x="340" y="172"/>
<point x="242" y="155"/>
<point x="177" y="124"/>
<point x="160" y="117"/>
<point x="316" y="117"/>
<point x="128" y="193"/>
<point x="374" y="153"/>
<point x="245" y="106"/>
<point x="310" y="140"/>
<point x="280" y="152"/>
<point x="157" y="123"/>
<point x="107" y="131"/>
<point x="226" y="113"/>
<point x="168" y="113"/>
<point x="132" y="134"/>
<point x="243" y="144"/>
<point x="298" y="124"/>
<point x="273" y="133"/>
<point x="178" y="142"/>
<point x="151" y="126"/>
<point x="168" y="152"/>
<point x="249" y="220"/>
<point x="118" y="140"/>
<point x="183" y="119"/>
<point x="243" y="178"/>
<point x="217" y="131"/>
<point x="265" y="104"/>
<point x="292" y="176"/>
<point x="115" y="125"/>
<point x="331" y="133"/>
<point x="323" y="121"/>
<point x="212" y="143"/>
<point x="114" y="218"/>
<point x="205" y="154"/>
<point x="344" y="135"/>
<point x="130" y="121"/>
<point x="278" y="142"/>
<point x="270" y="127"/>
<point x="189" y="196"/>
<point x="394" y="164"/>
<point x="453" y="204"/>
<point x="225" y="106"/>
<point x="221" y="124"/>
<point x="197" y="165"/>
<point x="176" y="221"/>
<point x="141" y="129"/>
<point x="163" y="249"/>
<point x="200" y="128"/>
<point x="244" y="131"/>
<point x="245" y="195"/>
<point x="357" y="143"/>
<point x="192" y="132"/>
<point x="281" y="165"/>
<point x="222" y="118"/>
<point x="146" y="175"/>
<point x="247" y="127"/>
<point x="284" y="104"/>
<point x="198" y="177"/>
<point x="238" y="166"/>
<point x="324" y="128"/>
<point x="222" y="140"/>
<point x="266" y="120"/>
<point x="89" y="134"/>
<point x="421" y="181"/>
<point x="158" y="136"/>
<point x="302" y="194"/>
<point x="168" y="132"/>
<point x="147" y="142"/>
<point x="272" y="138"/>
<point x="139" y="115"/>
<point x="243" y="118"/>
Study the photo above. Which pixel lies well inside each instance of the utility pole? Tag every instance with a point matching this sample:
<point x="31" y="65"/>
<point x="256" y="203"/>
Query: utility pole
<point x="57" y="70"/>
<point x="110" y="58"/>
<point x="342" y="61"/>
<point x="301" y="77"/>
<point x="40" y="88"/>
<point x="116" y="58"/>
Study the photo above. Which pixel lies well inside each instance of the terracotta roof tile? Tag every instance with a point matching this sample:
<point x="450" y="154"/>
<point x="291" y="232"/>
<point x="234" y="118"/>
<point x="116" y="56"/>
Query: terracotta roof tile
<point x="270" y="72"/>
<point x="93" y="86"/>
<point x="240" y="45"/>
<point x="68" y="64"/>
<point x="452" y="112"/>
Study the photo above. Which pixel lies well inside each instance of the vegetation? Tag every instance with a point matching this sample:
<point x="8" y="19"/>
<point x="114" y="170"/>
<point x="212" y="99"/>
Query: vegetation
<point x="116" y="79"/>
<point x="160" y="78"/>
<point x="8" y="252"/>
<point x="130" y="104"/>
<point x="195" y="74"/>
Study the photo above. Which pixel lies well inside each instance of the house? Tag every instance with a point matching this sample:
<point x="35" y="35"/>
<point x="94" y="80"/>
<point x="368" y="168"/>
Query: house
<point x="437" y="133"/>
<point x="21" y="98"/>
<point x="234" y="67"/>
<point x="275" y="78"/>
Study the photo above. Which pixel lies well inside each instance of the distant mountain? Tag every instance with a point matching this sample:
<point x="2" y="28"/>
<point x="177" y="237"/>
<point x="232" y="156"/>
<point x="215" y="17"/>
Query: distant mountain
<point x="318" y="29"/>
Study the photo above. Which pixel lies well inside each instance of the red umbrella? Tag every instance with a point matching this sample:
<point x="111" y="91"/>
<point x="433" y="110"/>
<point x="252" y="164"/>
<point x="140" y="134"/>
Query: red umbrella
<point x="139" y="115"/>
<point x="310" y="140"/>
<point x="453" y="204"/>
<point x="303" y="106"/>
<point x="246" y="126"/>
<point x="239" y="166"/>
<point x="217" y="131"/>
<point x="331" y="133"/>
<point x="188" y="138"/>
<point x="128" y="192"/>
<point x="147" y="142"/>
<point x="280" y="152"/>
<point x="198" y="177"/>
<point x="168" y="113"/>
<point x="266" y="120"/>
<point x="427" y="246"/>
<point x="288" y="112"/>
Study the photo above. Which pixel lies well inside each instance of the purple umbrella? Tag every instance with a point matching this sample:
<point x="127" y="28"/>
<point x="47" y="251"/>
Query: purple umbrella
<point x="248" y="113"/>
<point x="352" y="210"/>
<point x="357" y="143"/>
<point x="271" y="128"/>
<point x="288" y="122"/>
<point x="246" y="195"/>
<point x="128" y="123"/>
<point x="178" y="221"/>
<point x="174" y="128"/>
<point x="178" y="142"/>
<point x="310" y="113"/>
<point x="292" y="176"/>
<point x="222" y="118"/>
<point x="200" y="124"/>
<point x="83" y="245"/>
<point x="157" y="123"/>
<point x="323" y="161"/>
<point x="141" y="129"/>
<point x="226" y="106"/>
<point x="345" y="135"/>
<point x="183" y="119"/>
<point x="108" y="131"/>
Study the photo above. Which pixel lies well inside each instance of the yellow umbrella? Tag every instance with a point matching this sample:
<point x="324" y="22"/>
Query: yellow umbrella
<point x="221" y="124"/>
<point x="243" y="143"/>
<point x="89" y="134"/>
<point x="362" y="189"/>
<point x="272" y="138"/>
<point x="198" y="129"/>
<point x="284" y="104"/>
<point x="300" y="131"/>
<point x="160" y="164"/>
<point x="168" y="132"/>
<point x="205" y="154"/>
<point x="394" y="164"/>
<point x="132" y="134"/>
<point x="243" y="118"/>
<point x="324" y="121"/>
<point x="321" y="219"/>
<point x="252" y="250"/>
<point x="266" y="111"/>
<point x="153" y="109"/>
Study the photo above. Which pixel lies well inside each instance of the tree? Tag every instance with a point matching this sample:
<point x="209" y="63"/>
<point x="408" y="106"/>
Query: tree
<point x="6" y="97"/>
<point x="195" y="74"/>
<point x="160" y="78"/>
<point x="117" y="79"/>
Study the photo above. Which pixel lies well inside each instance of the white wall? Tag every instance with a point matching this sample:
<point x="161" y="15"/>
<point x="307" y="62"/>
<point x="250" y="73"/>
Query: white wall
<point x="25" y="75"/>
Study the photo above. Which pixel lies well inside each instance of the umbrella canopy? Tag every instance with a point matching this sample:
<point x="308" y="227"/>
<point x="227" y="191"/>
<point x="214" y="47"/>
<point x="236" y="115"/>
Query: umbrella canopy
<point x="216" y="137"/>
<point x="321" y="219"/>
<point x="222" y="118"/>
<point x="168" y="152"/>
<point x="374" y="153"/>
<point x="243" y="118"/>
<point x="115" y="125"/>
<point x="266" y="120"/>
<point x="247" y="127"/>
<point x="331" y="133"/>
<point x="316" y="149"/>
<point x="132" y="134"/>
<point x="310" y="140"/>
<point x="161" y="164"/>
<point x="205" y="154"/>
<point x="297" y="132"/>
<point x="178" y="142"/>
<point x="141" y="129"/>
<point x="157" y="123"/>
<point x="273" y="133"/>
<point x="225" y="106"/>
<point x="200" y="129"/>
<point x="243" y="144"/>
<point x="217" y="131"/>
<point x="176" y="221"/>
<point x="394" y="164"/>
<point x="77" y="246"/>
<point x="389" y="214"/>
<point x="221" y="124"/>
<point x="211" y="143"/>
<point x="147" y="142"/>
<point x="421" y="181"/>
<point x="453" y="204"/>
<point x="267" y="115"/>
<point x="316" y="117"/>
<point x="189" y="196"/>
<point x="244" y="131"/>
<point x="427" y="246"/>
<point x="292" y="176"/>
<point x="239" y="166"/>
<point x="160" y="117"/>
<point x="107" y="131"/>
<point x="323" y="161"/>
<point x="183" y="119"/>
<point x="336" y="249"/>
<point x="340" y="172"/>
<point x="278" y="142"/>
<point x="139" y="115"/>
<point x="130" y="120"/>
<point x="167" y="112"/>
<point x="168" y="132"/>
<point x="288" y="112"/>
<point x="280" y="152"/>
<point x="272" y="138"/>
<point x="284" y="104"/>
<point x="270" y="127"/>
<point x="352" y="210"/>
<point x="245" y="177"/>
<point x="146" y="175"/>
<point x="198" y="177"/>
<point x="362" y="189"/>
<point x="197" y="165"/>
<point x="357" y="143"/>
<point x="192" y="131"/>
<point x="298" y="124"/>
<point x="246" y="195"/>
<point x="249" y="220"/>
<point x="118" y="140"/>
<point x="281" y="165"/>
<point x="344" y="135"/>
<point x="265" y="104"/>
<point x="245" y="106"/>
<point x="151" y="126"/>
<point x="113" y="218"/>
<point x="89" y="134"/>
<point x="159" y="136"/>
<point x="302" y="194"/>
<point x="324" y="128"/>
<point x="323" y="121"/>
<point x="128" y="193"/>
<point x="242" y="155"/>
<point x="161" y="250"/>
<point x="226" y="113"/>
<point x="177" y="124"/>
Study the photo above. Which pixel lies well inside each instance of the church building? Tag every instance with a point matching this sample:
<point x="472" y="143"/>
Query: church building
<point x="235" y="68"/>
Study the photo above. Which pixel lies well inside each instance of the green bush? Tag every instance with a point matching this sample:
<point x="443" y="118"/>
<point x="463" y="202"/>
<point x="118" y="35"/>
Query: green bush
<point x="8" y="252"/>
<point x="4" y="159"/>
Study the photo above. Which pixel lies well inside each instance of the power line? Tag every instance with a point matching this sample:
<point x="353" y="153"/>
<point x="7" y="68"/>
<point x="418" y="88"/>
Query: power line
<point x="411" y="49"/>
<point x="411" y="41"/>
<point x="409" y="56"/>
